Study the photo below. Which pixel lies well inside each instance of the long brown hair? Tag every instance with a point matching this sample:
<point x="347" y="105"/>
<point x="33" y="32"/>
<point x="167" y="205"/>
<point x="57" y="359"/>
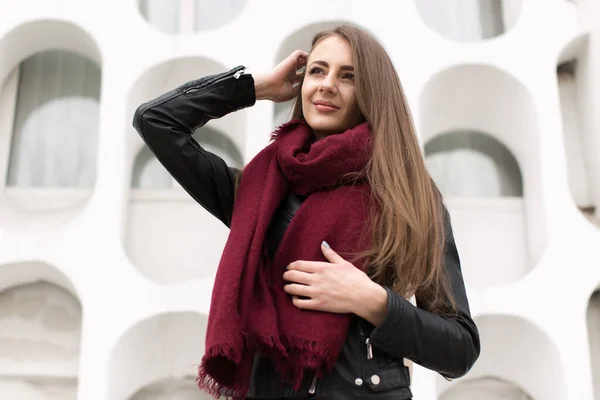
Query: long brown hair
<point x="408" y="237"/>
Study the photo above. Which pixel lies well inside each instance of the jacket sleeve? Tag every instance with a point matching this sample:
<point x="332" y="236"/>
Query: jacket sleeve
<point x="166" y="125"/>
<point x="447" y="345"/>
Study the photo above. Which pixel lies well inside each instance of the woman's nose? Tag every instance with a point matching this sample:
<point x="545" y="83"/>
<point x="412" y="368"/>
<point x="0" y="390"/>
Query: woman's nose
<point x="328" y="85"/>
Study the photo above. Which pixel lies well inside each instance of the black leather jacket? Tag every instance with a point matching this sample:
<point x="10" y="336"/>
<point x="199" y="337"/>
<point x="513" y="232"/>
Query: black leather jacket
<point x="371" y="363"/>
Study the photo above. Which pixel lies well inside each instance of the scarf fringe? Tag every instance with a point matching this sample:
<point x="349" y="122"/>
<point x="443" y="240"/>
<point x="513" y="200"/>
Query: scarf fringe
<point x="283" y="127"/>
<point x="210" y="383"/>
<point x="305" y="355"/>
<point x="291" y="357"/>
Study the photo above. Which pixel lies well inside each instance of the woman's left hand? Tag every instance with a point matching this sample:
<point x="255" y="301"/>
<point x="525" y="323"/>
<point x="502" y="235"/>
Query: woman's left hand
<point x="336" y="286"/>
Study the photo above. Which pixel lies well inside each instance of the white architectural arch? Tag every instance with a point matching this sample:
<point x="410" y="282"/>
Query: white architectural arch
<point x="160" y="353"/>
<point x="478" y="98"/>
<point x="511" y="350"/>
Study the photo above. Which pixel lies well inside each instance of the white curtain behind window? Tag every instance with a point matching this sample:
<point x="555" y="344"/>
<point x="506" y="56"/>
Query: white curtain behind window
<point x="55" y="132"/>
<point x="215" y="142"/>
<point x="162" y="14"/>
<point x="184" y="16"/>
<point x="210" y="14"/>
<point x="470" y="20"/>
<point x="471" y="164"/>
<point x="148" y="172"/>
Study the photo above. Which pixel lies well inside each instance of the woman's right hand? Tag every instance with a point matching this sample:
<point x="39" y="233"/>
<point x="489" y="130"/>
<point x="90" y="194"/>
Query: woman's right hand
<point x="281" y="84"/>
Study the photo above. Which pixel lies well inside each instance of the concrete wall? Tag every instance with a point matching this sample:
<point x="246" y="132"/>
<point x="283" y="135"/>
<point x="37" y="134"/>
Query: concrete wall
<point x="104" y="291"/>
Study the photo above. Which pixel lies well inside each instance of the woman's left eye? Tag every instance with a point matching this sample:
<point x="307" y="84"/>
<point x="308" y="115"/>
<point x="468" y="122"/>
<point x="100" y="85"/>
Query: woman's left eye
<point x="349" y="76"/>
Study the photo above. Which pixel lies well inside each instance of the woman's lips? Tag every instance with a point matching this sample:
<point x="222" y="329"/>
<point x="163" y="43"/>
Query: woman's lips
<point x="325" y="108"/>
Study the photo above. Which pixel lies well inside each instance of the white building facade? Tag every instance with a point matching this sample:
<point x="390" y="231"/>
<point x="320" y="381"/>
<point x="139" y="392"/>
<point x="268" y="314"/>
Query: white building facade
<point x="106" y="265"/>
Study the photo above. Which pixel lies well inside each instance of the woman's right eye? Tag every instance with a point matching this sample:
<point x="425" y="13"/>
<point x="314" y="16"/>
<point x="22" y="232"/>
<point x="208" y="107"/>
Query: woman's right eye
<point x="315" y="70"/>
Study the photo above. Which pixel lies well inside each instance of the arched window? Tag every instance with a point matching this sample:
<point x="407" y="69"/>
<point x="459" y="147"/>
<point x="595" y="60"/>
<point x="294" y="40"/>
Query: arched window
<point x="165" y="350"/>
<point x="39" y="345"/>
<point x="472" y="164"/>
<point x="505" y="370"/>
<point x="484" y="154"/>
<point x="55" y="130"/>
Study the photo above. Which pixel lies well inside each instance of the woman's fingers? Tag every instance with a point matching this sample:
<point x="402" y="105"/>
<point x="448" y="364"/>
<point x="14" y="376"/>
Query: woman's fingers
<point x="286" y="78"/>
<point x="301" y="60"/>
<point x="299" y="55"/>
<point x="305" y="303"/>
<point x="295" y="276"/>
<point x="307" y="266"/>
<point x="295" y="61"/>
<point x="296" y="289"/>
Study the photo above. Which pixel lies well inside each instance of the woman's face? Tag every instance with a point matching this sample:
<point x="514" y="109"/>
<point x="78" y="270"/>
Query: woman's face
<point x="329" y="100"/>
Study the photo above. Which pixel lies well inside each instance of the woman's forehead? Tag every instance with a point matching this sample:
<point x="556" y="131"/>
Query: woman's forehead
<point x="332" y="50"/>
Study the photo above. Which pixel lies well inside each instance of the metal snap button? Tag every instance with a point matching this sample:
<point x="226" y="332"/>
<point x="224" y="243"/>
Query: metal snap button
<point x="358" y="382"/>
<point x="375" y="380"/>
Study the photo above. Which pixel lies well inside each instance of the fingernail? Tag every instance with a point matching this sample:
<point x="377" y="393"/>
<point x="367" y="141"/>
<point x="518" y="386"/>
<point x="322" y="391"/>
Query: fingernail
<point x="326" y="245"/>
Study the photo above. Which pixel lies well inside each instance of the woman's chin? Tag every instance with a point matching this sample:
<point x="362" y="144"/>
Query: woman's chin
<point x="325" y="128"/>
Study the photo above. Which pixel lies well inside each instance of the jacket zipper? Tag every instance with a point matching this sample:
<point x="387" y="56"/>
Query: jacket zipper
<point x="239" y="73"/>
<point x="191" y="89"/>
<point x="367" y="341"/>
<point x="369" y="349"/>
<point x="236" y="75"/>
<point x="313" y="386"/>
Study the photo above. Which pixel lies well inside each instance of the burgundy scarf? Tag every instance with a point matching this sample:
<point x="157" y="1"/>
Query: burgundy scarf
<point x="249" y="310"/>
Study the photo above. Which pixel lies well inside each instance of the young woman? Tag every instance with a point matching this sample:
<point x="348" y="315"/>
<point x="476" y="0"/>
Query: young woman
<point x="334" y="226"/>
